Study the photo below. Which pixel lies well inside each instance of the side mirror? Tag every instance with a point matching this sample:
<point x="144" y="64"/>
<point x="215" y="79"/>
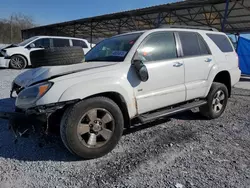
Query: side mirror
<point x="141" y="70"/>
<point x="32" y="45"/>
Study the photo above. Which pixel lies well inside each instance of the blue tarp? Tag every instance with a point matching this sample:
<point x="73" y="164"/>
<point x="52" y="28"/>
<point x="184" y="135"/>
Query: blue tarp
<point x="243" y="50"/>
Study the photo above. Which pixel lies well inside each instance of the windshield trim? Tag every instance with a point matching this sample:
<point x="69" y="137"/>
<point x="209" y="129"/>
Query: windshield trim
<point x="30" y="40"/>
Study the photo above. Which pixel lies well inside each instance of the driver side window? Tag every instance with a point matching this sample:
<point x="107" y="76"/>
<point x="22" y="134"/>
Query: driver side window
<point x="42" y="43"/>
<point x="158" y="46"/>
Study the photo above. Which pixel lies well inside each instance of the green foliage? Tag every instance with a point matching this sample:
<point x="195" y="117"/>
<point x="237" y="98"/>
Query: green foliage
<point x="10" y="29"/>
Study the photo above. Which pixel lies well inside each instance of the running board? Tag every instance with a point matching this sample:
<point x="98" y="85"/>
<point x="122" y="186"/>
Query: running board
<point x="144" y="118"/>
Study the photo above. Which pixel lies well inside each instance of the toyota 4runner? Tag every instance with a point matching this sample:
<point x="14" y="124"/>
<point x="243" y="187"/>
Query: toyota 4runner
<point x="141" y="76"/>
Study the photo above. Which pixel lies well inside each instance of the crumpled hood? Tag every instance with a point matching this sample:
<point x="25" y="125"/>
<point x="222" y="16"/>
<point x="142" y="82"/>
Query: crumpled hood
<point x="8" y="46"/>
<point x="45" y="73"/>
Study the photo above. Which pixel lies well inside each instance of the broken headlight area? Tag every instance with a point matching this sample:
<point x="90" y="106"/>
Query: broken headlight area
<point x="15" y="89"/>
<point x="28" y="97"/>
<point x="3" y="53"/>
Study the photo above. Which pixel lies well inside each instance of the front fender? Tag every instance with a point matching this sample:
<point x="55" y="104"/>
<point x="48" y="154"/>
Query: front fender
<point x="83" y="90"/>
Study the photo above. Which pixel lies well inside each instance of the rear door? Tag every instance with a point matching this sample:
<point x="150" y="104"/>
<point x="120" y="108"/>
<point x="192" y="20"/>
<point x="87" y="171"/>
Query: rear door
<point x="198" y="62"/>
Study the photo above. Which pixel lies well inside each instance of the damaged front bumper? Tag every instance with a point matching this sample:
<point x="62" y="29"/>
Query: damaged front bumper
<point x="4" y="62"/>
<point x="36" y="118"/>
<point x="21" y="123"/>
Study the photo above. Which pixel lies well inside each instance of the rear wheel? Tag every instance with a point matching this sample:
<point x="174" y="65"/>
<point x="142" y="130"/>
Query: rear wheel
<point x="92" y="128"/>
<point x="18" y="62"/>
<point x="216" y="101"/>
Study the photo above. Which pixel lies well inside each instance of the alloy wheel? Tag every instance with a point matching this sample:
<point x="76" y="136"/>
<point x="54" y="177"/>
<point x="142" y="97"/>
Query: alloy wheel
<point x="95" y="128"/>
<point x="218" y="101"/>
<point x="17" y="62"/>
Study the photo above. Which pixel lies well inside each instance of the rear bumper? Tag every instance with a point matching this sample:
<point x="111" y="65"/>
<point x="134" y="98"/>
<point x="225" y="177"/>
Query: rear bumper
<point x="4" y="62"/>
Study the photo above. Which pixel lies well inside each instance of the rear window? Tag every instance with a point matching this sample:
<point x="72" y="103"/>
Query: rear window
<point x="222" y="42"/>
<point x="79" y="43"/>
<point x="61" y="42"/>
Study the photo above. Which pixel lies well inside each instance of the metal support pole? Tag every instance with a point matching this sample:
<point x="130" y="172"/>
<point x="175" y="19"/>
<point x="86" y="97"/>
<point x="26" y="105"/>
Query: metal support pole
<point x="119" y="27"/>
<point x="22" y="35"/>
<point x="11" y="20"/>
<point x="237" y="36"/>
<point x="225" y="16"/>
<point x="74" y="30"/>
<point x="159" y="20"/>
<point x="91" y="34"/>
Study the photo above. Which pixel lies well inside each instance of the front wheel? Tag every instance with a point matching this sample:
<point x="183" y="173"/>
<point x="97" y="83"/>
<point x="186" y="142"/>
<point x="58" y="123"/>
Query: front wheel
<point x="92" y="128"/>
<point x="216" y="101"/>
<point x="18" y="62"/>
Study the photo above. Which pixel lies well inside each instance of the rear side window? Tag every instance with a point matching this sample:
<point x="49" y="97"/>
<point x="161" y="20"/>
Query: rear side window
<point x="193" y="44"/>
<point x="222" y="42"/>
<point x="79" y="43"/>
<point x="61" y="42"/>
<point x="158" y="46"/>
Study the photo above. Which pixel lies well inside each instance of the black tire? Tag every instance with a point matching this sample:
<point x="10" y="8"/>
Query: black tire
<point x="73" y="116"/>
<point x="57" y="56"/>
<point x="18" y="62"/>
<point x="210" y="110"/>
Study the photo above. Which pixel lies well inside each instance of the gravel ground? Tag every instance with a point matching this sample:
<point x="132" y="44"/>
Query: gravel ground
<point x="183" y="151"/>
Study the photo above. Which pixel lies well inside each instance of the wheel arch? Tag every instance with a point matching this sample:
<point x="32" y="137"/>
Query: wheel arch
<point x="27" y="61"/>
<point x="120" y="101"/>
<point x="224" y="78"/>
<point x="56" y="117"/>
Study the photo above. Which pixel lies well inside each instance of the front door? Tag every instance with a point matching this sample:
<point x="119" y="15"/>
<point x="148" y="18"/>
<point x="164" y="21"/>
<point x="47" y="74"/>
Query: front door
<point x="165" y="85"/>
<point x="38" y="45"/>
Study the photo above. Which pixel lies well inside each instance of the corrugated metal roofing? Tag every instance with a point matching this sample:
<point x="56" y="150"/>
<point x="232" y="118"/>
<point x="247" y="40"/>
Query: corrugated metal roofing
<point x="190" y="12"/>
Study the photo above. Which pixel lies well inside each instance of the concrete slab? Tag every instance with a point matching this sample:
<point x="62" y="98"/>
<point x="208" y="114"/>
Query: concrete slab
<point x="244" y="83"/>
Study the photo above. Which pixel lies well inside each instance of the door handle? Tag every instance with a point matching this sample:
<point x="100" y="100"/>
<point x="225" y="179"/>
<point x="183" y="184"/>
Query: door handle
<point x="208" y="60"/>
<point x="178" y="64"/>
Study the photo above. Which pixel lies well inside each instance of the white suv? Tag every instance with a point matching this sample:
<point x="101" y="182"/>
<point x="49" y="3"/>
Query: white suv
<point x="139" y="76"/>
<point x="17" y="56"/>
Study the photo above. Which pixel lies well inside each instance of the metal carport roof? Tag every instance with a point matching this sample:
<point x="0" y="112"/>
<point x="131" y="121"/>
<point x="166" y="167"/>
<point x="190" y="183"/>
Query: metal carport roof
<point x="231" y="16"/>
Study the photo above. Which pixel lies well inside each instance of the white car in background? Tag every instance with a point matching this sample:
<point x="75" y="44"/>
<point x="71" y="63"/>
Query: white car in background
<point x="17" y="56"/>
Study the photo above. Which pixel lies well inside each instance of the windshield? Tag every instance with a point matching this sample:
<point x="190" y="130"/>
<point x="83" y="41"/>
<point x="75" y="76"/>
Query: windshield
<point x="113" y="49"/>
<point x="27" y="41"/>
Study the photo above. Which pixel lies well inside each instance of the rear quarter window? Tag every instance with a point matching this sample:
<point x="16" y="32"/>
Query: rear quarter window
<point x="222" y="42"/>
<point x="79" y="43"/>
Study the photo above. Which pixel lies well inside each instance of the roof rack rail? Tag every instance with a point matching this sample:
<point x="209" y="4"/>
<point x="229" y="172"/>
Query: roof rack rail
<point x="189" y="27"/>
